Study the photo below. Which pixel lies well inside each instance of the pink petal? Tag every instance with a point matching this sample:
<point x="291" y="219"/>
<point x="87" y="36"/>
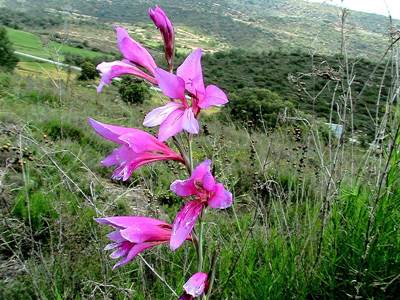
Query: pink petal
<point x="123" y="222"/>
<point x="146" y="233"/>
<point x="111" y="246"/>
<point x="140" y="141"/>
<point x="221" y="198"/>
<point x="134" y="51"/>
<point x="100" y="87"/>
<point x="137" y="140"/>
<point x="109" y="132"/>
<point x="122" y="250"/>
<point x="171" y="126"/>
<point x="214" y="97"/>
<point x="189" y="122"/>
<point x="159" y="114"/>
<point x="119" y="156"/>
<point x="183" y="188"/>
<point x="127" y="161"/>
<point x="208" y="181"/>
<point x="171" y="85"/>
<point x="122" y="158"/>
<point x="184" y="223"/>
<point x="134" y="251"/>
<point x="110" y="70"/>
<point x="115" y="236"/>
<point x="160" y="19"/>
<point x="191" y="72"/>
<point x="122" y="172"/>
<point x="197" y="284"/>
<point x="202" y="174"/>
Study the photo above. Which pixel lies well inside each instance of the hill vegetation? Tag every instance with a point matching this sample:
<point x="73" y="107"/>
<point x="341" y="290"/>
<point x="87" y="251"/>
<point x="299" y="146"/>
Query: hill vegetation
<point x="256" y="25"/>
<point x="314" y="216"/>
<point x="308" y="82"/>
<point x="28" y="20"/>
<point x="53" y="186"/>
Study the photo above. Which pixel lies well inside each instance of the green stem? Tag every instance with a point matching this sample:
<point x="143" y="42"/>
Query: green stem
<point x="184" y="155"/>
<point x="200" y="244"/>
<point x="190" y="151"/>
<point x="212" y="273"/>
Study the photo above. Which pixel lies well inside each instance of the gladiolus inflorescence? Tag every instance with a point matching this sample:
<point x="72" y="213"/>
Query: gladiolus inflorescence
<point x="187" y="97"/>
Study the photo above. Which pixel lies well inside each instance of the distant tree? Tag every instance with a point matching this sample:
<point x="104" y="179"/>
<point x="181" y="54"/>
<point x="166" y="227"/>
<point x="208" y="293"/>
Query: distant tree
<point x="74" y="59"/>
<point x="88" y="72"/>
<point x="8" y="59"/>
<point x="133" y="91"/>
<point x="257" y="106"/>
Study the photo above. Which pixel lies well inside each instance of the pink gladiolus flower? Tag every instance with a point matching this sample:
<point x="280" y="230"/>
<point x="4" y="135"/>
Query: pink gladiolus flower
<point x="133" y="235"/>
<point x="195" y="286"/>
<point x="137" y="148"/>
<point x="160" y="19"/>
<point x="178" y="114"/>
<point x="135" y="58"/>
<point x="205" y="192"/>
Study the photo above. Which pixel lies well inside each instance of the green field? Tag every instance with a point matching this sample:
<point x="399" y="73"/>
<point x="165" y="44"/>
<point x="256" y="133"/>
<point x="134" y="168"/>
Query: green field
<point x="32" y="44"/>
<point x="43" y="70"/>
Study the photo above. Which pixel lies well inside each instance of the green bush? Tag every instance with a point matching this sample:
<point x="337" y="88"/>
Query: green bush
<point x="258" y="106"/>
<point x="37" y="209"/>
<point x="88" y="72"/>
<point x="133" y="91"/>
<point x="8" y="60"/>
<point x="57" y="130"/>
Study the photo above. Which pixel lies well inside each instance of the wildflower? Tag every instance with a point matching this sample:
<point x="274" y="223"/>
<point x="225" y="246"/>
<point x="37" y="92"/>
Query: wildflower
<point x="137" y="148"/>
<point x="136" y="58"/>
<point x="205" y="191"/>
<point x="195" y="286"/>
<point x="160" y="19"/>
<point x="133" y="235"/>
<point x="179" y="114"/>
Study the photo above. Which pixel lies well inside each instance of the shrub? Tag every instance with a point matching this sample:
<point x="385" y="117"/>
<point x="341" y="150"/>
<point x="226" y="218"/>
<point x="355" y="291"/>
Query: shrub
<point x="133" y="91"/>
<point x="40" y="209"/>
<point x="8" y="60"/>
<point x="88" y="72"/>
<point x="258" y="106"/>
<point x="74" y="59"/>
<point x="57" y="130"/>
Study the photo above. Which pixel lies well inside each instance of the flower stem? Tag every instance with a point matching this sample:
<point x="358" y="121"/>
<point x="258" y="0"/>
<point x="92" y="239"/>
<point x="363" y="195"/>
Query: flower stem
<point x="200" y="244"/>
<point x="212" y="273"/>
<point x="187" y="160"/>
<point x="190" y="150"/>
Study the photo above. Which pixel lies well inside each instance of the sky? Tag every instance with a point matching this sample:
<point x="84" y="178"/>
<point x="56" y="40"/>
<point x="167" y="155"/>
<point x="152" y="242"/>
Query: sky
<point x="380" y="7"/>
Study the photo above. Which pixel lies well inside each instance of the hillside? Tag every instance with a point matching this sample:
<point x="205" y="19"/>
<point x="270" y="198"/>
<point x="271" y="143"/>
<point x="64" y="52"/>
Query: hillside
<point x="275" y="69"/>
<point x="254" y="195"/>
<point x="254" y="24"/>
<point x="308" y="82"/>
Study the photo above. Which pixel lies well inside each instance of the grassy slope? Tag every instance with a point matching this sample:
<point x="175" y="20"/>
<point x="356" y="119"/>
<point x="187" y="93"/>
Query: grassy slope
<point x="30" y="43"/>
<point x="43" y="70"/>
<point x="273" y="224"/>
